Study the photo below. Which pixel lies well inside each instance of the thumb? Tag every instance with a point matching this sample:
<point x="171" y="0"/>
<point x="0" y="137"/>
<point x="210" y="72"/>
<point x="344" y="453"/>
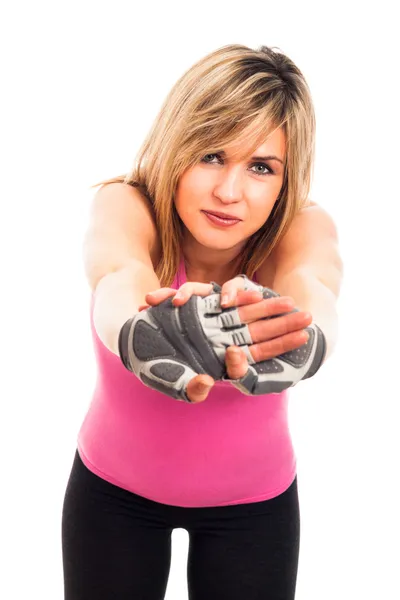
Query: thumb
<point x="199" y="387"/>
<point x="236" y="362"/>
<point x="143" y="307"/>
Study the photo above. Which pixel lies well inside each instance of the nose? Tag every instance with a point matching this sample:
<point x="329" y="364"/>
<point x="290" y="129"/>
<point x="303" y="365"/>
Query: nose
<point x="229" y="187"/>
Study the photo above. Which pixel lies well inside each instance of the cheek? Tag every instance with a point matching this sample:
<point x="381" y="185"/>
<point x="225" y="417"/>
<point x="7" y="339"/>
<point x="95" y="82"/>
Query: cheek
<point x="190" y="193"/>
<point x="193" y="185"/>
<point x="261" y="209"/>
<point x="258" y="213"/>
<point x="185" y="209"/>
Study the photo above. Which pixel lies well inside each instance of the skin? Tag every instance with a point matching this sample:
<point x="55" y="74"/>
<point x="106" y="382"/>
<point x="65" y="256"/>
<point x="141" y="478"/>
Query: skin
<point x="248" y="189"/>
<point x="243" y="188"/>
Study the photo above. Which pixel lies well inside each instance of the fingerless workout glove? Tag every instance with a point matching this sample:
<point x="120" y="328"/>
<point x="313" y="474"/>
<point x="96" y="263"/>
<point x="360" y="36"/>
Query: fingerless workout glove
<point x="274" y="375"/>
<point x="166" y="346"/>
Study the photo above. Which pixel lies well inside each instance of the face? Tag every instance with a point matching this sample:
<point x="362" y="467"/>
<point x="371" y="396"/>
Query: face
<point x="245" y="189"/>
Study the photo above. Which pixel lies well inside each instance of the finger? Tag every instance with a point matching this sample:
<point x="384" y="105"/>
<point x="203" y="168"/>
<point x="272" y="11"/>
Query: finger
<point x="143" y="307"/>
<point x="244" y="297"/>
<point x="188" y="289"/>
<point x="154" y="298"/>
<point x="272" y="348"/>
<point x="269" y="307"/>
<point x="236" y="362"/>
<point x="262" y="331"/>
<point x="230" y="290"/>
<point x="199" y="387"/>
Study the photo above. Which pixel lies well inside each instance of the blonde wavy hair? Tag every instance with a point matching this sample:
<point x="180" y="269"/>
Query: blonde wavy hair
<point x="232" y="95"/>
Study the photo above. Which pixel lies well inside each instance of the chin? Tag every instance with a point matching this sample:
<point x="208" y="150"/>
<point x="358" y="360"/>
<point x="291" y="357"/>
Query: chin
<point x="217" y="240"/>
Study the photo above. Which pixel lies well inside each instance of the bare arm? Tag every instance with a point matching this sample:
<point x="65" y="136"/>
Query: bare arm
<point x="118" y="297"/>
<point x="118" y="252"/>
<point x="308" y="267"/>
<point x="310" y="294"/>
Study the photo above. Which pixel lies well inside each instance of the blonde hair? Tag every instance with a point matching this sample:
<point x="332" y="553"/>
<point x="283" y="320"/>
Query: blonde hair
<point x="233" y="95"/>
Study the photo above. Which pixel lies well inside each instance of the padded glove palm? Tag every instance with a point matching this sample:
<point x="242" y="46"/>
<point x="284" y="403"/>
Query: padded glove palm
<point x="166" y="346"/>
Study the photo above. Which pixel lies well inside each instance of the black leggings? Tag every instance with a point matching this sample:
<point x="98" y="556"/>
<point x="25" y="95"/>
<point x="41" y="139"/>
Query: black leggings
<point x="117" y="545"/>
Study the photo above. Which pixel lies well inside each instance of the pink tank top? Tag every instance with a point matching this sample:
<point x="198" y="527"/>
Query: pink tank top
<point x="229" y="449"/>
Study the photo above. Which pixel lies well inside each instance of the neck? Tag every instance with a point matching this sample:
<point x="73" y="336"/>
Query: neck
<point x="204" y="264"/>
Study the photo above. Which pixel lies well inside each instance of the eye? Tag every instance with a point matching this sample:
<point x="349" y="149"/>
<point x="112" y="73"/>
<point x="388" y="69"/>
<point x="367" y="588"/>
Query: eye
<point x="269" y="171"/>
<point x="204" y="159"/>
<point x="264" y="166"/>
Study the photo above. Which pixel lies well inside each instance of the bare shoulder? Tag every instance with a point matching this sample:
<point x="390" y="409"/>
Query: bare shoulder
<point x="313" y="224"/>
<point x="312" y="232"/>
<point x="121" y="227"/>
<point x="125" y="208"/>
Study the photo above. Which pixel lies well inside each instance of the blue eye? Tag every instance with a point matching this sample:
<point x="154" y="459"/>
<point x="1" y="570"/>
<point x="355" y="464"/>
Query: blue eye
<point x="264" y="165"/>
<point x="204" y="157"/>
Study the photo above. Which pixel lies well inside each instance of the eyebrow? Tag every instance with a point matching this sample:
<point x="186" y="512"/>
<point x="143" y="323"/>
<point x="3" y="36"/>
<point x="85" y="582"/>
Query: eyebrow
<point x="271" y="157"/>
<point x="265" y="158"/>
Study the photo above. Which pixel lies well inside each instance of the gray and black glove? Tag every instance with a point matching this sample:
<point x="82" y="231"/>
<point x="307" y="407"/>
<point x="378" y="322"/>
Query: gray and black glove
<point x="166" y="346"/>
<point x="274" y="375"/>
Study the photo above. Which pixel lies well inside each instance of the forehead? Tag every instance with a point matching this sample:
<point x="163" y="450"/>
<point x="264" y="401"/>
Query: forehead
<point x="274" y="143"/>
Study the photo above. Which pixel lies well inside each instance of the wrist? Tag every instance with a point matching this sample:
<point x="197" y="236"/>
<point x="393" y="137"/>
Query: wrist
<point x="124" y="342"/>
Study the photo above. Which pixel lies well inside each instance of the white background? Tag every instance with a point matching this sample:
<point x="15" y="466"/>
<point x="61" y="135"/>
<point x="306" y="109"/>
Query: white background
<point x="81" y="83"/>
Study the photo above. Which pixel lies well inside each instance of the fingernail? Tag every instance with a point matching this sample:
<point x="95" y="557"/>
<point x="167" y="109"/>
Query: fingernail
<point x="235" y="356"/>
<point x="178" y="295"/>
<point x="227" y="298"/>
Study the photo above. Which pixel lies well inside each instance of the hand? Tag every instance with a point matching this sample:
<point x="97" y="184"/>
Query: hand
<point x="285" y="370"/>
<point x="264" y="316"/>
<point x="199" y="387"/>
<point x="175" y="351"/>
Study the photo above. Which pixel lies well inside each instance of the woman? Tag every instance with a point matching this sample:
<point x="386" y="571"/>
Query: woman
<point x="235" y="137"/>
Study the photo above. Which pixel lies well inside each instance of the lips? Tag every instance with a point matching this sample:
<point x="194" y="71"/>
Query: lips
<point x="222" y="215"/>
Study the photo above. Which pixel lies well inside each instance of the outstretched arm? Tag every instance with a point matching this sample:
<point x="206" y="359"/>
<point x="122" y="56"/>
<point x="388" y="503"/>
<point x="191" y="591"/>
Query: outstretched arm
<point x="308" y="267"/>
